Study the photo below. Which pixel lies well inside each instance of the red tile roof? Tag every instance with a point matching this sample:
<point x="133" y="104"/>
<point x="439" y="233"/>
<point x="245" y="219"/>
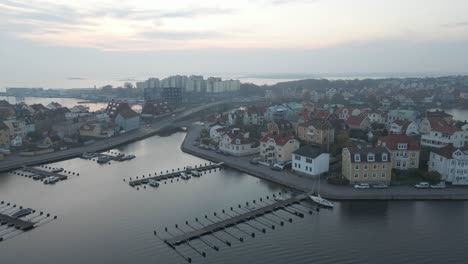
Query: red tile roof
<point x="440" y="125"/>
<point x="355" y="120"/>
<point x="391" y="141"/>
<point x="279" y="140"/>
<point x="446" y="151"/>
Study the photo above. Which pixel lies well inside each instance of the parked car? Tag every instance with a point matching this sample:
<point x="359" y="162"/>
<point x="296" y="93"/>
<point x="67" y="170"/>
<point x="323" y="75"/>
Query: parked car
<point x="380" y="186"/>
<point x="254" y="161"/>
<point x="281" y="166"/>
<point x="422" y="185"/>
<point x="361" y="186"/>
<point x="440" y="185"/>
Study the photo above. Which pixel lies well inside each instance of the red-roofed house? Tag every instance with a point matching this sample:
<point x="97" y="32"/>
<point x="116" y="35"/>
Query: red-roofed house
<point x="438" y="133"/>
<point x="280" y="127"/>
<point x="358" y="122"/>
<point x="97" y="130"/>
<point x="277" y="148"/>
<point x="238" y="143"/>
<point x="123" y="116"/>
<point x="404" y="150"/>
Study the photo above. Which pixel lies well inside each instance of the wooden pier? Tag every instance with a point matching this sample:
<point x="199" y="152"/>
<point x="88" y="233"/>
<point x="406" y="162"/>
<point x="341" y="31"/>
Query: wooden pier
<point x="44" y="173"/>
<point x="174" y="174"/>
<point x="221" y="225"/>
<point x="15" y="222"/>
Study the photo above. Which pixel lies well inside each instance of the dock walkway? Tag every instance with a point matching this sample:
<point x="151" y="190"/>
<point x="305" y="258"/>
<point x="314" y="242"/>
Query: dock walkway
<point x="180" y="239"/>
<point x="44" y="173"/>
<point x="17" y="223"/>
<point x="171" y="175"/>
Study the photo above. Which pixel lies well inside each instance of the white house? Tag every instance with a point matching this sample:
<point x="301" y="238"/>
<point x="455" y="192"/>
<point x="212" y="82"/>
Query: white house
<point x="237" y="143"/>
<point x="217" y="132"/>
<point x="310" y="160"/>
<point x="409" y="128"/>
<point x="443" y="135"/>
<point x="452" y="163"/>
<point x="128" y="120"/>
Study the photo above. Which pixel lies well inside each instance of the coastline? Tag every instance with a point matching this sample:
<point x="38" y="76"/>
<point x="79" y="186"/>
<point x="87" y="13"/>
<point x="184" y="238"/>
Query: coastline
<point x="306" y="184"/>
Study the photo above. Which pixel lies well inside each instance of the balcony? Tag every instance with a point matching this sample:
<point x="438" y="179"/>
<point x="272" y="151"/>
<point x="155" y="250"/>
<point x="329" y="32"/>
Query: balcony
<point x="436" y="142"/>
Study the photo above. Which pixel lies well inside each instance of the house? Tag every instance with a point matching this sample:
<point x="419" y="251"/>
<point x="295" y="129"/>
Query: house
<point x="16" y="141"/>
<point x="123" y="116"/>
<point x="279" y="127"/>
<point x="69" y="128"/>
<point x="255" y="115"/>
<point x="310" y="160"/>
<point x="375" y="116"/>
<point x="277" y="148"/>
<point x="345" y="113"/>
<point x="217" y="132"/>
<point x="363" y="163"/>
<point x="404" y="150"/>
<point x="316" y="131"/>
<point x="404" y="127"/>
<point x="440" y="114"/>
<point x="17" y="127"/>
<point x="4" y="136"/>
<point x="53" y="106"/>
<point x="440" y="133"/>
<point x="97" y="130"/>
<point x="154" y="109"/>
<point x="358" y="122"/>
<point x="451" y="162"/>
<point x="278" y="112"/>
<point x="408" y="115"/>
<point x="238" y="143"/>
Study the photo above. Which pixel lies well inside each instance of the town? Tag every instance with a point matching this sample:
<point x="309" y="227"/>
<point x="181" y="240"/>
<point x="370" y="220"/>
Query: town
<point x="388" y="132"/>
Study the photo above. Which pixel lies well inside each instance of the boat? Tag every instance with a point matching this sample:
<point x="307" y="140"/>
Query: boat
<point x="51" y="180"/>
<point x="23" y="213"/>
<point x="279" y="198"/>
<point x="103" y="159"/>
<point x="153" y="183"/>
<point x="422" y="185"/>
<point x="87" y="155"/>
<point x="319" y="200"/>
<point x="57" y="170"/>
<point x="196" y="173"/>
<point x="184" y="176"/>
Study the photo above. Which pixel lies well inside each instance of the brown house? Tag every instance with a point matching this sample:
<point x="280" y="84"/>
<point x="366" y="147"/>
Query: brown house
<point x="316" y="131"/>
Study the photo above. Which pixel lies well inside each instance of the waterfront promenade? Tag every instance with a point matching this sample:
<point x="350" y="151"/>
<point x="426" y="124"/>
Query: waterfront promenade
<point x="16" y="162"/>
<point x="306" y="184"/>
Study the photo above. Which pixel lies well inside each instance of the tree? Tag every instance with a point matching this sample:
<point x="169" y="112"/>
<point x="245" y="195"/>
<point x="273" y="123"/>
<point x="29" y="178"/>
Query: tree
<point x="342" y="138"/>
<point x="432" y="176"/>
<point x="306" y="96"/>
<point x="128" y="85"/>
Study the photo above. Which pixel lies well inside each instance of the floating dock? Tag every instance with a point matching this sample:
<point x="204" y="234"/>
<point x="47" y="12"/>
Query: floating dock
<point x="221" y="225"/>
<point x="16" y="222"/>
<point x="44" y="173"/>
<point x="175" y="174"/>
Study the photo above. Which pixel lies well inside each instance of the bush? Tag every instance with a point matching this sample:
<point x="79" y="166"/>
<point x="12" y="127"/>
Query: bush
<point x="432" y="176"/>
<point x="337" y="180"/>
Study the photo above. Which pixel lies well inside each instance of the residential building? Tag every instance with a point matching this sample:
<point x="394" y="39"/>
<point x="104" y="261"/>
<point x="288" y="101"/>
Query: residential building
<point x="278" y="112"/>
<point x="53" y="105"/>
<point x="217" y="132"/>
<point x="97" y="130"/>
<point x="122" y="115"/>
<point x="440" y="133"/>
<point x="172" y="95"/>
<point x="404" y="127"/>
<point x="363" y="163"/>
<point x="277" y="148"/>
<point x="152" y="109"/>
<point x="17" y="127"/>
<point x="310" y="160"/>
<point x="404" y="150"/>
<point x="4" y="136"/>
<point x="408" y="115"/>
<point x="238" y="143"/>
<point x="280" y="127"/>
<point x="358" y="122"/>
<point x="451" y="162"/>
<point x="316" y="131"/>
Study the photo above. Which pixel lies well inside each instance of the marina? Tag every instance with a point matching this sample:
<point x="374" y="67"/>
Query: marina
<point x="184" y="173"/>
<point x="46" y="174"/>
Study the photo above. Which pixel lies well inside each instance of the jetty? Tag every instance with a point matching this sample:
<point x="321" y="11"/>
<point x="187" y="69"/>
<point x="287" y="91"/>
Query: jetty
<point x="16" y="222"/>
<point x="221" y="225"/>
<point x="40" y="174"/>
<point x="174" y="174"/>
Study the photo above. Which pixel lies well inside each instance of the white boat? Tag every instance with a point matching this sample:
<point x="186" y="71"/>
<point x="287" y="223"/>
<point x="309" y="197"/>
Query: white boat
<point x="153" y="183"/>
<point x="196" y="173"/>
<point x="51" y="180"/>
<point x="184" y="176"/>
<point x="321" y="201"/>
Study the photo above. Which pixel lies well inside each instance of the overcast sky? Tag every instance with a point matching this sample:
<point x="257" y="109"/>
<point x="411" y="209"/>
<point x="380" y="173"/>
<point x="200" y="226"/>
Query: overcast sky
<point x="63" y="43"/>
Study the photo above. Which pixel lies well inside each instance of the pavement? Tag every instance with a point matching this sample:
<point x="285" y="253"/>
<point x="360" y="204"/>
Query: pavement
<point x="307" y="184"/>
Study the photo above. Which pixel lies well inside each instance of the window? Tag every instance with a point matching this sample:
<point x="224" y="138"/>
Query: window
<point x="413" y="163"/>
<point x="383" y="166"/>
<point x="383" y="175"/>
<point x="366" y="167"/>
<point x="356" y="167"/>
<point x="402" y="146"/>
<point x="309" y="160"/>
<point x="398" y="164"/>
<point x="356" y="175"/>
<point x="374" y="174"/>
<point x="370" y="157"/>
<point x="413" y="155"/>
<point x="297" y="157"/>
<point x="357" y="158"/>
<point x="365" y="175"/>
<point x="384" y="157"/>
<point x="375" y="166"/>
<point x="279" y="155"/>
<point x="307" y="168"/>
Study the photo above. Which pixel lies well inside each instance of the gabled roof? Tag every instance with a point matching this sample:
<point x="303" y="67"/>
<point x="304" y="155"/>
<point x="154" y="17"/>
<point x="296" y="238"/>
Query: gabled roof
<point x="440" y="125"/>
<point x="448" y="151"/>
<point x="364" y="149"/>
<point x="279" y="139"/>
<point x="309" y="151"/>
<point x="391" y="142"/>
<point x="318" y="124"/>
<point x="234" y="137"/>
<point x="355" y="120"/>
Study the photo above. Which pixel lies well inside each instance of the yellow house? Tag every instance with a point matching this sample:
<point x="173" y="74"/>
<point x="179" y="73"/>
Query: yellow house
<point x="316" y="131"/>
<point x="4" y="136"/>
<point x="363" y="163"/>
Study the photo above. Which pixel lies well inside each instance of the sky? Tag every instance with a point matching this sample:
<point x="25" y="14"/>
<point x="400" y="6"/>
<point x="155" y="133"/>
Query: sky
<point x="82" y="43"/>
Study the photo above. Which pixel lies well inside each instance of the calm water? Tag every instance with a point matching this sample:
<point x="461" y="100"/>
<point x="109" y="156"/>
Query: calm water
<point x="103" y="220"/>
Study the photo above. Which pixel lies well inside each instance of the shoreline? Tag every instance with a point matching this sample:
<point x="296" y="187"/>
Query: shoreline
<point x="306" y="184"/>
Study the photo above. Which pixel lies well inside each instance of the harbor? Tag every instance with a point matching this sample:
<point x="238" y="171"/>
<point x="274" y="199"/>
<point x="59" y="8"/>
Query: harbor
<point x="47" y="174"/>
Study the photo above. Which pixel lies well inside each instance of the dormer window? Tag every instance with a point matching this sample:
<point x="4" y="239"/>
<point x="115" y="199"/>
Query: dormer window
<point x="402" y="146"/>
<point x="238" y="141"/>
<point x="384" y="157"/>
<point x="357" y="158"/>
<point x="370" y="157"/>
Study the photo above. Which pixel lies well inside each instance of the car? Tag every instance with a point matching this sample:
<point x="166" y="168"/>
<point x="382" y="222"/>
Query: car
<point x="440" y="185"/>
<point x="361" y="186"/>
<point x="380" y="186"/>
<point x="422" y="185"/>
<point x="254" y="161"/>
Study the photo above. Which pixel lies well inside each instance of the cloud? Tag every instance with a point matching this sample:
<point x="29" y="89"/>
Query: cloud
<point x="456" y="25"/>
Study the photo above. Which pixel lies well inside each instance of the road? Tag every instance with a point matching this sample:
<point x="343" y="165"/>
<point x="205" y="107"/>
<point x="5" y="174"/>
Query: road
<point x="329" y="191"/>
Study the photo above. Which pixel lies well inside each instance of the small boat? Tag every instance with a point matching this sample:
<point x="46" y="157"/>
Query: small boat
<point x="23" y="213"/>
<point x="196" y="173"/>
<point x="51" y="180"/>
<point x="153" y="183"/>
<point x="87" y="155"/>
<point x="103" y="159"/>
<point x="279" y="198"/>
<point x="321" y="201"/>
<point x="184" y="176"/>
<point x="440" y="185"/>
<point x="57" y="170"/>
